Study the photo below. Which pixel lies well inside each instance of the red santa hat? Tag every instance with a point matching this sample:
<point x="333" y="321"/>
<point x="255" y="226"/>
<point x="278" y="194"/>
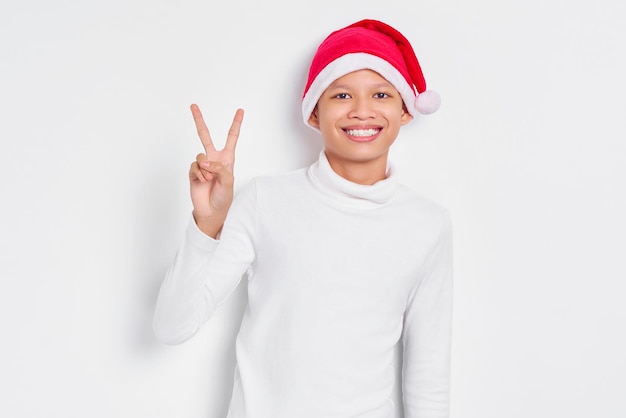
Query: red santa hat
<point x="369" y="44"/>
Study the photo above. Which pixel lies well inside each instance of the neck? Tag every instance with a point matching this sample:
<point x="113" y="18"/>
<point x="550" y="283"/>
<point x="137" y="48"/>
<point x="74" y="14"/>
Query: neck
<point x="359" y="172"/>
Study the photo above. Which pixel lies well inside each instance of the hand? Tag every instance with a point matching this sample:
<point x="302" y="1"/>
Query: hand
<point x="211" y="175"/>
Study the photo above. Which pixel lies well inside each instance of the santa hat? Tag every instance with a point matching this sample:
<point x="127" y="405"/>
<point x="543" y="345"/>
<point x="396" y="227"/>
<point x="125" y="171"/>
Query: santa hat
<point x="369" y="44"/>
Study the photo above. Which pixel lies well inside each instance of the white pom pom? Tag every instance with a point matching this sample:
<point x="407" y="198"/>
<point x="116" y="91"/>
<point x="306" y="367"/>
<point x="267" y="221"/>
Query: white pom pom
<point x="427" y="102"/>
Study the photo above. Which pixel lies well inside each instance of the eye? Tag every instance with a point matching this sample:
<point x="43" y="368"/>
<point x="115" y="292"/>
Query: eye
<point x="342" y="96"/>
<point x="381" y="95"/>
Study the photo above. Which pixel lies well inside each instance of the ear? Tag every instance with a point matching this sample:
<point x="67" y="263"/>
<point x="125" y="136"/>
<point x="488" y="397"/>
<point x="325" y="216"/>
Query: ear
<point x="314" y="119"/>
<point x="405" y="116"/>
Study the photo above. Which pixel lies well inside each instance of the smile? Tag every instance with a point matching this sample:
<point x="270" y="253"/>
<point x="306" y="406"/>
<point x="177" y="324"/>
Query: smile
<point x="362" y="132"/>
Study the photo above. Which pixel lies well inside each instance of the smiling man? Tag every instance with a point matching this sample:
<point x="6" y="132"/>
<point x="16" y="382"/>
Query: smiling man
<point x="342" y="261"/>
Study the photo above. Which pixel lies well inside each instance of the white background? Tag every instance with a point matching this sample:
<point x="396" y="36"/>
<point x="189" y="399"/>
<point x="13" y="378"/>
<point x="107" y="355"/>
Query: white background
<point x="527" y="152"/>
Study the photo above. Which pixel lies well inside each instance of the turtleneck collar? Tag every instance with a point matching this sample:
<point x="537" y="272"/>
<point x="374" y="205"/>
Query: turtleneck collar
<point x="347" y="193"/>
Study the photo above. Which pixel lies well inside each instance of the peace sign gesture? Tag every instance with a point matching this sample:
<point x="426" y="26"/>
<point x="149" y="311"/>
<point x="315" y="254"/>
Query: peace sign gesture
<point x="211" y="175"/>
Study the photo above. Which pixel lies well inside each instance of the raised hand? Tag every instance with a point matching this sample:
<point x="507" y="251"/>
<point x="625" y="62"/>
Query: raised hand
<point x="211" y="175"/>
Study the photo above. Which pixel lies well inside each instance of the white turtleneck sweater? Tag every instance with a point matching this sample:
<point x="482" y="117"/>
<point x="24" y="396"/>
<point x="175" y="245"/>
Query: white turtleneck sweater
<point x="337" y="274"/>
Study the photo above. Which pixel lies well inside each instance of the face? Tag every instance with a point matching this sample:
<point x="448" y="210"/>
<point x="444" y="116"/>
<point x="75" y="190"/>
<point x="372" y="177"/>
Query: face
<point x="359" y="116"/>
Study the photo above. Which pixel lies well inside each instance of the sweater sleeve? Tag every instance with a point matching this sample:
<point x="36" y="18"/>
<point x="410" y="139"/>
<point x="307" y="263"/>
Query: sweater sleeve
<point x="205" y="272"/>
<point x="427" y="334"/>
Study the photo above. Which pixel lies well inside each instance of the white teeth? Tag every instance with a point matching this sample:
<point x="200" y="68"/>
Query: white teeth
<point x="362" y="132"/>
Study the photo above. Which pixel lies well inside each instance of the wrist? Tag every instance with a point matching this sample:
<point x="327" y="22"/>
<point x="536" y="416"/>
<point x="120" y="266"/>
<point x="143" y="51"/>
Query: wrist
<point x="209" y="225"/>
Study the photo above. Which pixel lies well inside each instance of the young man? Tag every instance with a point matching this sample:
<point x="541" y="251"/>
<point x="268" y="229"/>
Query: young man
<point x="342" y="261"/>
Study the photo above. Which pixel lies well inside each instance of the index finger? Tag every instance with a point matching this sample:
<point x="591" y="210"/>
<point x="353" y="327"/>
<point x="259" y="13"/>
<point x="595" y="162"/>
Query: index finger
<point x="203" y="131"/>
<point x="233" y="132"/>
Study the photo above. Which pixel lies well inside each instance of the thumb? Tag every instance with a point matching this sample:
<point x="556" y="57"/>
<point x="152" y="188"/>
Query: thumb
<point x="220" y="172"/>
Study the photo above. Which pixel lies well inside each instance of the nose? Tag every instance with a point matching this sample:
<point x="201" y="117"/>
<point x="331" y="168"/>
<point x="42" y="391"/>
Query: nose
<point x="361" y="109"/>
